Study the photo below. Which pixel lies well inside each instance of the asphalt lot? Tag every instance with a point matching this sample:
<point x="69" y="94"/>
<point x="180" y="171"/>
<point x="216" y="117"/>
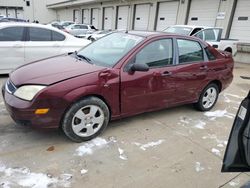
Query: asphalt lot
<point x="177" y="147"/>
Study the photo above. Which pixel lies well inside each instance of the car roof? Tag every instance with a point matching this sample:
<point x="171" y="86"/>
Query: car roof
<point x="191" y="26"/>
<point x="147" y="34"/>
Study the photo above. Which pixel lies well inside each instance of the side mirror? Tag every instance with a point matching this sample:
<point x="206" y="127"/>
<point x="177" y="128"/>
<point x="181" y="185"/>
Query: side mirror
<point x="139" y="67"/>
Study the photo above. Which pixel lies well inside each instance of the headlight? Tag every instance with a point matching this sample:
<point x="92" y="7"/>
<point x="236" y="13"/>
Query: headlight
<point x="28" y="92"/>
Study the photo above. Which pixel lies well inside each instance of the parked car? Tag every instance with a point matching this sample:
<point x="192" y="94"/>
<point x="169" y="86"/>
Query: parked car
<point x="119" y="75"/>
<point x="237" y="154"/>
<point x="66" y="23"/>
<point x="95" y="35"/>
<point x="208" y="34"/>
<point x="79" y="29"/>
<point x="22" y="43"/>
<point x="7" y="19"/>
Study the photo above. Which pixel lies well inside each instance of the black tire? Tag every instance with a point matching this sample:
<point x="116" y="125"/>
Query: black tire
<point x="68" y="118"/>
<point x="200" y="105"/>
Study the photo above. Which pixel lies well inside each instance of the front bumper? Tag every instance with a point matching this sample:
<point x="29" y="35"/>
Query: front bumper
<point x="23" y="112"/>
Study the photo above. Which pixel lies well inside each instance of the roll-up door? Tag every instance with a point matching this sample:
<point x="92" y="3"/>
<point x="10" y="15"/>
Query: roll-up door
<point x="203" y="12"/>
<point x="241" y="22"/>
<point x="167" y="14"/>
<point x="122" y="17"/>
<point x="141" y="19"/>
<point x="108" y="18"/>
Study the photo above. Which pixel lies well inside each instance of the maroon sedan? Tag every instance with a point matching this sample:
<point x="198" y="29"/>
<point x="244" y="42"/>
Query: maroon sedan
<point x="120" y="75"/>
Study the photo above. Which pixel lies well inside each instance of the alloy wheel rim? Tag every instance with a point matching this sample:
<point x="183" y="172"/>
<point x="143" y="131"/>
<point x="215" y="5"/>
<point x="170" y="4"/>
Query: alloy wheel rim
<point x="209" y="97"/>
<point x="87" y="120"/>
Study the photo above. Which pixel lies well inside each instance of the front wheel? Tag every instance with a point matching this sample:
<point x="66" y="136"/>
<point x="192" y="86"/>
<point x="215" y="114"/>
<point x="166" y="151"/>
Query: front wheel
<point x="85" y="119"/>
<point x="208" y="98"/>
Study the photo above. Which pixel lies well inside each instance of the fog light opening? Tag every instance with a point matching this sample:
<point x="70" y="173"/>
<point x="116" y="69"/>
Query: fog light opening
<point x="41" y="111"/>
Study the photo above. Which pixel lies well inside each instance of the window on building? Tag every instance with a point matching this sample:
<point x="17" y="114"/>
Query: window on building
<point x="11" y="34"/>
<point x="27" y="3"/>
<point x="189" y="51"/>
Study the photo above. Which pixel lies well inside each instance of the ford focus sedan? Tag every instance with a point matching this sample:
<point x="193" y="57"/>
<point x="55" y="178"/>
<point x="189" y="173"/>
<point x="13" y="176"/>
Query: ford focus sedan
<point x="120" y="75"/>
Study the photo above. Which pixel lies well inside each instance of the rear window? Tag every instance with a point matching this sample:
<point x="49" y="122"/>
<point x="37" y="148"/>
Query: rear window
<point x="39" y="34"/>
<point x="210" y="56"/>
<point x="57" y="36"/>
<point x="11" y="34"/>
<point x="189" y="51"/>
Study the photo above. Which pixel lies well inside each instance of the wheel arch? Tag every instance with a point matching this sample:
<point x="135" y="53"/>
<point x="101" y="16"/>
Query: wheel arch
<point x="82" y="98"/>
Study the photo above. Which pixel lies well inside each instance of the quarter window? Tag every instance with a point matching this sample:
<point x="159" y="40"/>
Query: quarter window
<point x="39" y="34"/>
<point x="11" y="34"/>
<point x="57" y="36"/>
<point x="210" y="56"/>
<point x="156" y="54"/>
<point x="189" y="51"/>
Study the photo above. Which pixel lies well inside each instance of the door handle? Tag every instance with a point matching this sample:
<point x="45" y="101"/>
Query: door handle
<point x="203" y="67"/>
<point x="166" y="73"/>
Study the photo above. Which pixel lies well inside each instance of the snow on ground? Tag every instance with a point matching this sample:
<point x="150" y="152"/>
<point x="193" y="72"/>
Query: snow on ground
<point x="148" y="145"/>
<point x="234" y="183"/>
<point x="84" y="171"/>
<point x="216" y="151"/>
<point x="122" y="155"/>
<point x="90" y="146"/>
<point x="198" y="167"/>
<point x="22" y="177"/>
<point x="212" y="115"/>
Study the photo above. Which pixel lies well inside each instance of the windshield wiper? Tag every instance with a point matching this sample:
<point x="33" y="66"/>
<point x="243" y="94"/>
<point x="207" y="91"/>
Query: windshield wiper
<point x="82" y="57"/>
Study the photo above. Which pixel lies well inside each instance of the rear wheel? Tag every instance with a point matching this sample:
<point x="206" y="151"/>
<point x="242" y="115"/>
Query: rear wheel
<point x="86" y="119"/>
<point x="208" y="98"/>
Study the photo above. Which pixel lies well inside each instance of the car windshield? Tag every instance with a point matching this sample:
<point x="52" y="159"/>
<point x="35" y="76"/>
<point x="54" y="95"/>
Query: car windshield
<point x="108" y="50"/>
<point x="179" y="30"/>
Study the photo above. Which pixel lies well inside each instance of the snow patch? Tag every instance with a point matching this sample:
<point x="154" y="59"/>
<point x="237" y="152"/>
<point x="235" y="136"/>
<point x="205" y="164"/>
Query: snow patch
<point x="200" y="125"/>
<point x="148" y="145"/>
<point x="216" y="151"/>
<point x="122" y="155"/>
<point x="234" y="183"/>
<point x="220" y="143"/>
<point x="11" y="177"/>
<point x="89" y="147"/>
<point x="218" y="113"/>
<point x="198" y="167"/>
<point x="84" y="171"/>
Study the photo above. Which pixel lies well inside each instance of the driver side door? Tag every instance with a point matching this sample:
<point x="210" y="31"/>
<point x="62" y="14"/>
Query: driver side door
<point x="237" y="155"/>
<point x="153" y="89"/>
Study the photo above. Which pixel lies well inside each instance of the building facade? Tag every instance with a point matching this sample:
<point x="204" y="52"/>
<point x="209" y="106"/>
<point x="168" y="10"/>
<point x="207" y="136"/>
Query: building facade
<point x="232" y="15"/>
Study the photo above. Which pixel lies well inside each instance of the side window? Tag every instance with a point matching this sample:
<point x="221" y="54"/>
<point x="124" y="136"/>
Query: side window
<point x="57" y="36"/>
<point x="210" y="56"/>
<point x="11" y="34"/>
<point x="195" y="31"/>
<point x="83" y="27"/>
<point x="76" y="27"/>
<point x="39" y="34"/>
<point x="156" y="54"/>
<point x="189" y="51"/>
<point x="209" y="35"/>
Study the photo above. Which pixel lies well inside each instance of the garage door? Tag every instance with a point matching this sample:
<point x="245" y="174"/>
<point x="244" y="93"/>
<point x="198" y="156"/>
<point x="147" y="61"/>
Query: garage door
<point x="203" y="12"/>
<point x="108" y="18"/>
<point x="95" y="17"/>
<point x="19" y="13"/>
<point x="3" y="11"/>
<point x="76" y="16"/>
<point x="85" y="16"/>
<point x="122" y="17"/>
<point x="167" y="14"/>
<point x="11" y="13"/>
<point x="241" y="23"/>
<point x="141" y="18"/>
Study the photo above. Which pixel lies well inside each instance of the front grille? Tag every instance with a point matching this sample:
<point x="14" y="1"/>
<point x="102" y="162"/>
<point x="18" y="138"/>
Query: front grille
<point x="10" y="87"/>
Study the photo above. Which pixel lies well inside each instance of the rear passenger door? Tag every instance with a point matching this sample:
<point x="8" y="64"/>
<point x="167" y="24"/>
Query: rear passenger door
<point x="11" y="48"/>
<point x="42" y="43"/>
<point x="191" y="70"/>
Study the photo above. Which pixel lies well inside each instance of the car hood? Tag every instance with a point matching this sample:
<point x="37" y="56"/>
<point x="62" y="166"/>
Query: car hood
<point x="52" y="70"/>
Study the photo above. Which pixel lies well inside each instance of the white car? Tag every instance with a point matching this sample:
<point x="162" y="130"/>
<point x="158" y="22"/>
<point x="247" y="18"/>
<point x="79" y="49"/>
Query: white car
<point x="22" y="43"/>
<point x="80" y="29"/>
<point x="209" y="34"/>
